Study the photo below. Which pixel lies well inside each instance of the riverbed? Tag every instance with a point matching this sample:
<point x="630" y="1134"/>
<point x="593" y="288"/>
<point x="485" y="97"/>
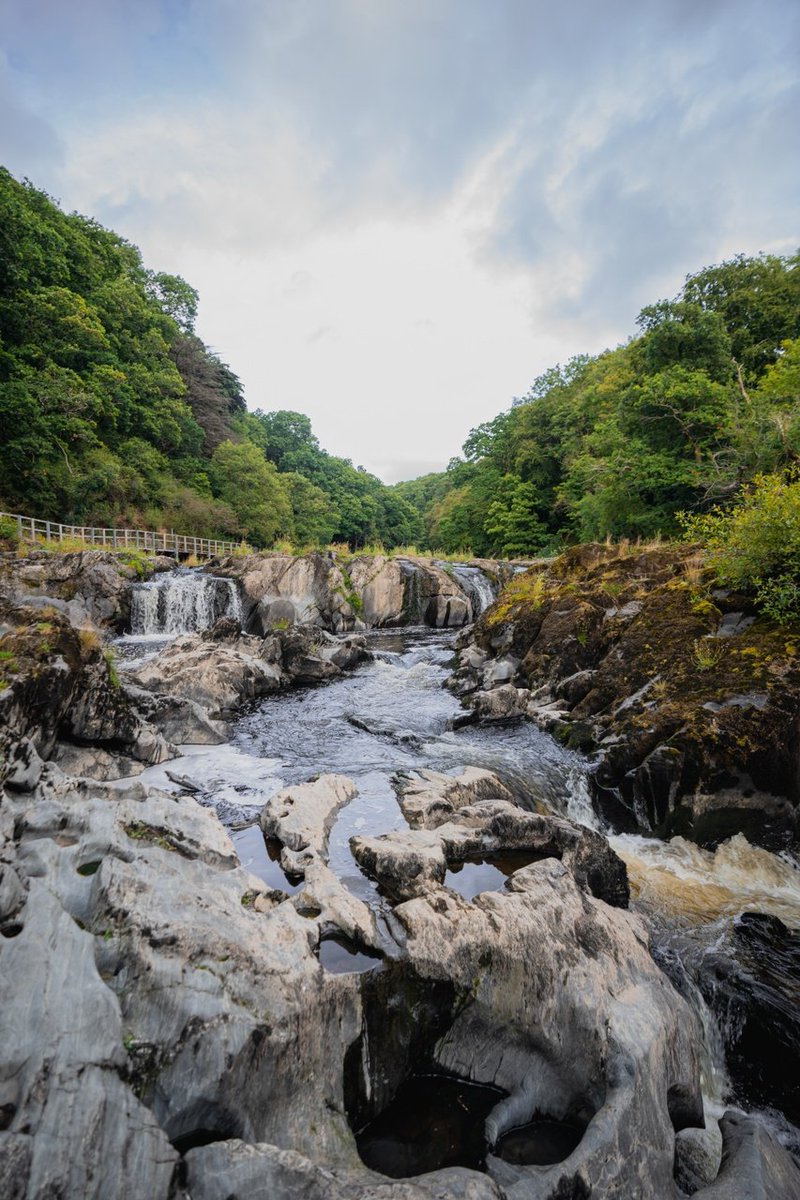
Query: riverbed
<point x="394" y="714"/>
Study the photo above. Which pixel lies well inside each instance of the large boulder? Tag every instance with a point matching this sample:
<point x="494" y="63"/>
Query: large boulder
<point x="89" y="586"/>
<point x="60" y="688"/>
<point x="222" y="668"/>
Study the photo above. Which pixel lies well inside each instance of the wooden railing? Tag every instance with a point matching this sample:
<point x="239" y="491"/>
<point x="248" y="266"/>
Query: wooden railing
<point x="151" y="541"/>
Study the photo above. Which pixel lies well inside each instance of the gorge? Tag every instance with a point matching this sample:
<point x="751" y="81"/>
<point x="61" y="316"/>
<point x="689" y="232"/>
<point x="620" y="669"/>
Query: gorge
<point x="341" y="937"/>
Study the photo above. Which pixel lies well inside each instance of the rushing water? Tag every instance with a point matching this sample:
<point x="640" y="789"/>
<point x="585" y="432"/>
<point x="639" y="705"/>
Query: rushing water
<point x="182" y="601"/>
<point x="393" y="714"/>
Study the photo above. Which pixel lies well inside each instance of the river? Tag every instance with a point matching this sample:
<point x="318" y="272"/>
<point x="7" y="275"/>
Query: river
<point x="394" y="714"/>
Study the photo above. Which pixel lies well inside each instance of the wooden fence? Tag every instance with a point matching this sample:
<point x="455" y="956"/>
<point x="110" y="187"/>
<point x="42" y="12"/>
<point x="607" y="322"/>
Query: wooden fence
<point x="152" y="541"/>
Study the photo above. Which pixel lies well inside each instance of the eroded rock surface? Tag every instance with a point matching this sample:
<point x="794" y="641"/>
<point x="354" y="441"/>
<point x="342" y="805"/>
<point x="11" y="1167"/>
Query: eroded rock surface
<point x="367" y="591"/>
<point x="160" y="1003"/>
<point x="89" y="586"/>
<point x="223" y="668"/>
<point x="690" y="702"/>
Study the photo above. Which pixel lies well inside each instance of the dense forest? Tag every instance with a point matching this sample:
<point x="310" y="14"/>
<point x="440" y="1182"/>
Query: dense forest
<point x="113" y="411"/>
<point x="704" y="399"/>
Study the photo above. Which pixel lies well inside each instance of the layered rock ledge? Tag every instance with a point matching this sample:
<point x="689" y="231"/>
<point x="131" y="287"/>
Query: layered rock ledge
<point x="689" y="700"/>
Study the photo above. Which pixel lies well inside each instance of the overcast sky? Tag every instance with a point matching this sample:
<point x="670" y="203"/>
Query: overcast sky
<point x="399" y="212"/>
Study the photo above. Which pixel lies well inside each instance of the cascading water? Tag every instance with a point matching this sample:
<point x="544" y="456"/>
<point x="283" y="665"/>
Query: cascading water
<point x="182" y="601"/>
<point x="477" y="586"/>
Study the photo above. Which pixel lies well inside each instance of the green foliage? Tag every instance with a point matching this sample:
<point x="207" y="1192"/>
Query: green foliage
<point x="705" y="398"/>
<point x="9" y="532"/>
<point x="251" y="486"/>
<point x="113" y="412"/>
<point x="111" y="667"/>
<point x="755" y="543"/>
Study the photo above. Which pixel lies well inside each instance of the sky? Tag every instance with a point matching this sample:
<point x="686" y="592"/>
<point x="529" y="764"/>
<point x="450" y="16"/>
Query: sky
<point x="399" y="212"/>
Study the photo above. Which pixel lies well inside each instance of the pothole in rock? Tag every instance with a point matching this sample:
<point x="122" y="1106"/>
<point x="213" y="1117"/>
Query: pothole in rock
<point x="433" y="1121"/>
<point x="261" y="856"/>
<point x="488" y="872"/>
<point x="341" y="956"/>
<point x="541" y="1142"/>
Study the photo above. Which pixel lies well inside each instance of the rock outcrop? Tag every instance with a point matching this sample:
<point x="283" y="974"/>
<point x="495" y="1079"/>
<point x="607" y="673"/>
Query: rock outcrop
<point x="223" y="668"/>
<point x="690" y="701"/>
<point x="167" y="1030"/>
<point x="364" y="592"/>
<point x="89" y="586"/>
<point x="60" y="689"/>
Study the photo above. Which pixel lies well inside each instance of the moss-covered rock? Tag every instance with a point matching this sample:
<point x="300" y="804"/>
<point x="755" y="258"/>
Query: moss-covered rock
<point x="690" y="700"/>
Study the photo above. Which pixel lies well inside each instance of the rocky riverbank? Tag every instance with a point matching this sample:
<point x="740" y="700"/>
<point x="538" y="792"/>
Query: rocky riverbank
<point x="688" y="699"/>
<point x="174" y="1027"/>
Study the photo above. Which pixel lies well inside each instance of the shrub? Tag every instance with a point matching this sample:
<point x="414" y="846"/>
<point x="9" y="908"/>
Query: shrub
<point x="8" y="532"/>
<point x="755" y="544"/>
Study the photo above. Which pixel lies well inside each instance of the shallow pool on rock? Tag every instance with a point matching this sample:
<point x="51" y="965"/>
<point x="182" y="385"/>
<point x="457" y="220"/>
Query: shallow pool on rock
<point x="340" y="956"/>
<point x="487" y="873"/>
<point x="540" y="1143"/>
<point x="434" y="1121"/>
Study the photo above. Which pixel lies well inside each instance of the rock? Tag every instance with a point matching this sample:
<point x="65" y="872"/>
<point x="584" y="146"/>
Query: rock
<point x="754" y="1166"/>
<point x="429" y="798"/>
<point x="92" y="763"/>
<point x="502" y="703"/>
<point x="157" y="1002"/>
<point x="502" y="670"/>
<point x="93" y="586"/>
<point x="180" y="720"/>
<point x="301" y="817"/>
<point x="220" y="676"/>
<point x="614" y="1069"/>
<point x="64" y="696"/>
<point x="410" y="863"/>
<point x="234" y="1171"/>
<point x="689" y="700"/>
<point x="366" y="591"/>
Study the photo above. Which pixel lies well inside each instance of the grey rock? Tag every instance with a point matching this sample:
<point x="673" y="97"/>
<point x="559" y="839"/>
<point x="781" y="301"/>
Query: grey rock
<point x="429" y="798"/>
<point x="503" y="703"/>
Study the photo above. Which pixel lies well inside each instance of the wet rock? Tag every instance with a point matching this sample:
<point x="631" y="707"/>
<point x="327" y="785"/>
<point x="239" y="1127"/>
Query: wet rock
<point x="429" y="798"/>
<point x="62" y="690"/>
<point x="502" y="703"/>
<point x="685" y="696"/>
<point x="751" y="981"/>
<point x="220" y="676"/>
<point x="93" y="586"/>
<point x="754" y="1166"/>
<point x="411" y="863"/>
<point x="368" y="591"/>
<point x="301" y="817"/>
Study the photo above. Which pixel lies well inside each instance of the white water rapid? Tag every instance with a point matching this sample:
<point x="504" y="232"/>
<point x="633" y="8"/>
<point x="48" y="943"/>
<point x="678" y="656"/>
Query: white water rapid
<point x="182" y="601"/>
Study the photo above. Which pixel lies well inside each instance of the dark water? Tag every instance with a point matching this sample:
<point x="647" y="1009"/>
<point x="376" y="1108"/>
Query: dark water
<point x="487" y="873"/>
<point x="343" y="957"/>
<point x="394" y="714"/>
<point x="539" y="1143"/>
<point x="434" y="1121"/>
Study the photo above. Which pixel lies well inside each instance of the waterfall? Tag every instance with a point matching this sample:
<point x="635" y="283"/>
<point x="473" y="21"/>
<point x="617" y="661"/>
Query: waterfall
<point x="182" y="601"/>
<point x="477" y="587"/>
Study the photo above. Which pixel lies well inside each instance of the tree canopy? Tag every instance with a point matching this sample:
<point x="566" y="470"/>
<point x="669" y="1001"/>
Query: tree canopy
<point x="678" y="419"/>
<point x="114" y="412"/>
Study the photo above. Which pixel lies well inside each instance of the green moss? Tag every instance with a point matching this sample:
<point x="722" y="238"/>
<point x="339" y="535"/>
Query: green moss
<point x="139" y="831"/>
<point x="113" y="676"/>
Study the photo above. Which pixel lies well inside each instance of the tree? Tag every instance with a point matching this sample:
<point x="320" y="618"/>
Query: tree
<point x="243" y="479"/>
